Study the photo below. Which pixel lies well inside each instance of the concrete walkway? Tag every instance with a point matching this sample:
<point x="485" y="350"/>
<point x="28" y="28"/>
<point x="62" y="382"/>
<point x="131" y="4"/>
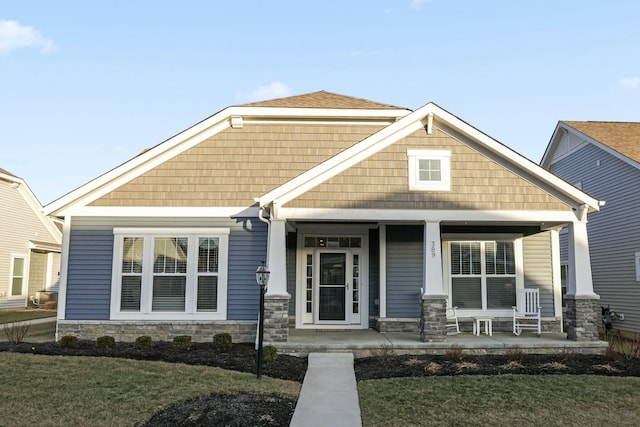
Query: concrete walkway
<point x="329" y="395"/>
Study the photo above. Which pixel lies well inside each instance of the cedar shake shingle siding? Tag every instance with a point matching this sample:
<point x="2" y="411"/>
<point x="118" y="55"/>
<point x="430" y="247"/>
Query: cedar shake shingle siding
<point x="236" y="165"/>
<point x="381" y="182"/>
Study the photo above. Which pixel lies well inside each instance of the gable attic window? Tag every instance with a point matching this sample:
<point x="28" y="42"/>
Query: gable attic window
<point x="169" y="274"/>
<point x="429" y="170"/>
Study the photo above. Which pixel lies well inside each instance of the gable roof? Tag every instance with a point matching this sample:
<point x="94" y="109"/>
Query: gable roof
<point x="422" y="117"/>
<point x="323" y="99"/>
<point x="622" y="139"/>
<point x="394" y="124"/>
<point x="32" y="201"/>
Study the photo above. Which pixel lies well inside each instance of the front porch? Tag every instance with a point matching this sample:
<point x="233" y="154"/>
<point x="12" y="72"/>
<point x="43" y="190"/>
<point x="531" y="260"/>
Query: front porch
<point x="363" y="343"/>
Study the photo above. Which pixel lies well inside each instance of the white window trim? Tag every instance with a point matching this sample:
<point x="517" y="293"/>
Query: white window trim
<point x="414" y="157"/>
<point x="637" y="266"/>
<point x="190" y="312"/>
<point x="25" y="276"/>
<point x="446" y="259"/>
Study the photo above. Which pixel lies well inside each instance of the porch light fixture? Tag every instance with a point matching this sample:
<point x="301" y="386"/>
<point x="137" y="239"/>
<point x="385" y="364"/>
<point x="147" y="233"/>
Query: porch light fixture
<point x="262" y="278"/>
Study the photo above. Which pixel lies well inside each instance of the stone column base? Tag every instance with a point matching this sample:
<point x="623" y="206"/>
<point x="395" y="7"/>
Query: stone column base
<point x="433" y="321"/>
<point x="582" y="318"/>
<point x="276" y="318"/>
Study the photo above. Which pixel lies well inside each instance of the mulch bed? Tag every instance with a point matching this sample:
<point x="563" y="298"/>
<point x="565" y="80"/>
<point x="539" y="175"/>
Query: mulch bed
<point x="272" y="410"/>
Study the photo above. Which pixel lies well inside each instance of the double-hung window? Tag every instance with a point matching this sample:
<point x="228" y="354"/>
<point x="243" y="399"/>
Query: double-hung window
<point x="483" y="274"/>
<point x="17" y="276"/>
<point x="169" y="273"/>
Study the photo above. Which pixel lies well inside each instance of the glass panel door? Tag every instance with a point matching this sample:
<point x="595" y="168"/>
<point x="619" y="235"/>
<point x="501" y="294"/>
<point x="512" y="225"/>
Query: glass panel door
<point x="332" y="289"/>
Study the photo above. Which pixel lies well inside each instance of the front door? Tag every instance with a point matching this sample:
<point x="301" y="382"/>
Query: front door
<point x="331" y="285"/>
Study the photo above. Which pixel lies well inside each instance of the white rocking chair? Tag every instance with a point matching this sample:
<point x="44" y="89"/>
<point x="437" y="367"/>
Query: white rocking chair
<point x="526" y="314"/>
<point x="452" y="320"/>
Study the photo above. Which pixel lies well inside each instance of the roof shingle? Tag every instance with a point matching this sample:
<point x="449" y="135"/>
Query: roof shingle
<point x="323" y="99"/>
<point x="623" y="137"/>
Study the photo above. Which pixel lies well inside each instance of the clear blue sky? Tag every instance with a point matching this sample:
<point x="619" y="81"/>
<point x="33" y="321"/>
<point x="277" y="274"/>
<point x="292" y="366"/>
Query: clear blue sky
<point x="86" y="85"/>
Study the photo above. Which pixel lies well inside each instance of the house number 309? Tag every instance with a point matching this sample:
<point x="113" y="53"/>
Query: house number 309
<point x="433" y="249"/>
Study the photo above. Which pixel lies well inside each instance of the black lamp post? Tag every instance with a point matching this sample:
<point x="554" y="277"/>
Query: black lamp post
<point x="262" y="277"/>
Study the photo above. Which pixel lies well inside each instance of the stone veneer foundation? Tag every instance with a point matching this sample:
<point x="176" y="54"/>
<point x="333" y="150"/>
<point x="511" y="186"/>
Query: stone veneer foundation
<point x="128" y="331"/>
<point x="433" y="321"/>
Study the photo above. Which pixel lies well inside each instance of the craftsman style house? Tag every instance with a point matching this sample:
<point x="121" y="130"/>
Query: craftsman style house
<point x="29" y="249"/>
<point x="367" y="215"/>
<point x="603" y="159"/>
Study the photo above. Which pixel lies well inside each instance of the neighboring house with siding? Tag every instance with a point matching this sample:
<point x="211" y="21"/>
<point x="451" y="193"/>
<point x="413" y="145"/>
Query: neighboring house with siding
<point x="603" y="159"/>
<point x="30" y="246"/>
<point x="368" y="216"/>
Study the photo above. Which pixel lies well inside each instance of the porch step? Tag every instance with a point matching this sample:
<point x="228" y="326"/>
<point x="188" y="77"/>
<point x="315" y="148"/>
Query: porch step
<point x="329" y="395"/>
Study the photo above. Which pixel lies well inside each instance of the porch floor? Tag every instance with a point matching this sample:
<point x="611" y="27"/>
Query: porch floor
<point x="363" y="343"/>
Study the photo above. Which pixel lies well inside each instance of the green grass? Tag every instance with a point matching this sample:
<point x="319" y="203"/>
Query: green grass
<point x="22" y="314"/>
<point x="89" y="391"/>
<point x="551" y="400"/>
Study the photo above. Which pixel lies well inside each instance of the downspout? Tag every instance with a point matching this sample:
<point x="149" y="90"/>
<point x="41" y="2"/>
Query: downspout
<point x="266" y="221"/>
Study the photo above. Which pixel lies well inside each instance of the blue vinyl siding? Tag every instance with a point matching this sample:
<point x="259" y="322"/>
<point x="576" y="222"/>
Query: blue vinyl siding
<point x="90" y="264"/>
<point x="89" y="275"/>
<point x="291" y="271"/>
<point x="404" y="270"/>
<point x="614" y="231"/>
<point x="538" y="269"/>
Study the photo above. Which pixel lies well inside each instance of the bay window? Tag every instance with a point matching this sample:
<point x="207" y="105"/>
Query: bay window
<point x="169" y="273"/>
<point x="482" y="274"/>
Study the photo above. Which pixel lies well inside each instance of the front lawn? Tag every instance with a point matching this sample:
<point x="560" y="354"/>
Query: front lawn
<point x="501" y="400"/>
<point x="23" y="314"/>
<point x="92" y="391"/>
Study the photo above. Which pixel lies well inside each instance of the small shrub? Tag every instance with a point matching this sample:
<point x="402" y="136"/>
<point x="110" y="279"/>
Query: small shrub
<point x="105" y="342"/>
<point x="515" y="355"/>
<point x="144" y="343"/>
<point x="16" y="332"/>
<point x="182" y="342"/>
<point x="269" y="354"/>
<point x="69" y="341"/>
<point x="454" y="354"/>
<point x="222" y="341"/>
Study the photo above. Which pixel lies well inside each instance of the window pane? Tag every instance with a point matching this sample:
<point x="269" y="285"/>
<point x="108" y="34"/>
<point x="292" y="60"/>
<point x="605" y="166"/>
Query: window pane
<point x="207" y="293"/>
<point x="132" y="253"/>
<point x="429" y="170"/>
<point x="501" y="292"/>
<point x="16" y="286"/>
<point x="168" y="293"/>
<point x="500" y="258"/>
<point x="466" y="292"/>
<point x="130" y="295"/>
<point x="208" y="255"/>
<point x="18" y="267"/>
<point x="170" y="255"/>
<point x="465" y="258"/>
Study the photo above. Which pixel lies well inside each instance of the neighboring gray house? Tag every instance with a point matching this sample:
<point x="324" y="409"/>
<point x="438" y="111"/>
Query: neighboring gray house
<point x="30" y="245"/>
<point x="603" y="159"/>
<point x="368" y="216"/>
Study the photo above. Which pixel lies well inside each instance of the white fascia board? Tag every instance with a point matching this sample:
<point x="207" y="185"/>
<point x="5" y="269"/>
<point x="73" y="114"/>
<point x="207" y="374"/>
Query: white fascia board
<point x="346" y="159"/>
<point x="142" y="163"/>
<point x="32" y="201"/>
<point x="589" y="140"/>
<point x="159" y="212"/>
<point x="551" y="146"/>
<point x="519" y="160"/>
<point x="458" y="215"/>
<point x="191" y="137"/>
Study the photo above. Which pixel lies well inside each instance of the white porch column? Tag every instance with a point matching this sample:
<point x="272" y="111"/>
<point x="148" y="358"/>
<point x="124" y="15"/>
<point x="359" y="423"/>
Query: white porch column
<point x="277" y="259"/>
<point x="432" y="281"/>
<point x="580" y="282"/>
